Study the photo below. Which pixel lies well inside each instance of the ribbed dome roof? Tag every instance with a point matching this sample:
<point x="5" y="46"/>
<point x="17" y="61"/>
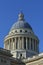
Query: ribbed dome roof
<point x="21" y="23"/>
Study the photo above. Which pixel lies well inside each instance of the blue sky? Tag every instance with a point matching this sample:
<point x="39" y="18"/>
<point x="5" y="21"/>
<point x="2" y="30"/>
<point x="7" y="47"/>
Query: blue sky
<point x="33" y="12"/>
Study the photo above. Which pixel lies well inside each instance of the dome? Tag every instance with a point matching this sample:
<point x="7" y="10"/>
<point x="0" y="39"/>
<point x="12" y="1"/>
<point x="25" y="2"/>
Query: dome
<point x="21" y="23"/>
<point x="21" y="40"/>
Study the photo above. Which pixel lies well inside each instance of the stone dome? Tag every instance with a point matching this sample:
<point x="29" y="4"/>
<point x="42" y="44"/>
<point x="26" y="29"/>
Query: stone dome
<point x="21" y="40"/>
<point x="21" y="23"/>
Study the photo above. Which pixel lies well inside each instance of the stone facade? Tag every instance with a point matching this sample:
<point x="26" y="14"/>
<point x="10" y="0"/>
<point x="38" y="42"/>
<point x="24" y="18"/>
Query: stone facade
<point x="35" y="60"/>
<point x="5" y="57"/>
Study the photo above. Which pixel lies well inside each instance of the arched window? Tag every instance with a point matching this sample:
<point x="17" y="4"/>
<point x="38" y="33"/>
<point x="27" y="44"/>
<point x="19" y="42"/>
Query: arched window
<point x="16" y="31"/>
<point x="25" y="30"/>
<point x="20" y="55"/>
<point x="20" y="30"/>
<point x="24" y="43"/>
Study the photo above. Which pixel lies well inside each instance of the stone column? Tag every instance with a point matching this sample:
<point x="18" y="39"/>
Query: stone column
<point x="26" y="43"/>
<point x="37" y="46"/>
<point x="33" y="44"/>
<point x="22" y="42"/>
<point x="30" y="43"/>
<point x="5" y="44"/>
<point x="15" y="42"/>
<point x="12" y="43"/>
<point x="18" y="43"/>
<point x="9" y="44"/>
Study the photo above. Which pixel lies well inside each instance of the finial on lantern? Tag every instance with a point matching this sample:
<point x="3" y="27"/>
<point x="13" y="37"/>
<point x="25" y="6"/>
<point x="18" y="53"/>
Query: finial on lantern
<point x="21" y="16"/>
